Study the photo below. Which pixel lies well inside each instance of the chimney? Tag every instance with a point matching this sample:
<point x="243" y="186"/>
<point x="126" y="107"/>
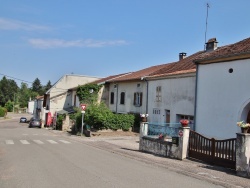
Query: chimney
<point x="211" y="44"/>
<point x="182" y="55"/>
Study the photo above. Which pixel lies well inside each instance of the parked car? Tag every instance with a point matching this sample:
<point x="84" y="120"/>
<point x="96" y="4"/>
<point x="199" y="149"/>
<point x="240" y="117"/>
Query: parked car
<point x="34" y="122"/>
<point x="23" y="120"/>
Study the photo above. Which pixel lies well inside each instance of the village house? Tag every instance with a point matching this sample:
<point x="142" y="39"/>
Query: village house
<point x="171" y="91"/>
<point x="59" y="98"/>
<point x="223" y="92"/>
<point x="127" y="93"/>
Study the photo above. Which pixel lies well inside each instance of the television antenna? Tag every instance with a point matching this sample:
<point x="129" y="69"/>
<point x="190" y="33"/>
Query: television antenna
<point x="208" y="6"/>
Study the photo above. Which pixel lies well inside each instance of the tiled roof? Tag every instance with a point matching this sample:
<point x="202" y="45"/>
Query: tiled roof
<point x="183" y="66"/>
<point x="232" y="50"/>
<point x="137" y="75"/>
<point x="180" y="67"/>
<point x="109" y="78"/>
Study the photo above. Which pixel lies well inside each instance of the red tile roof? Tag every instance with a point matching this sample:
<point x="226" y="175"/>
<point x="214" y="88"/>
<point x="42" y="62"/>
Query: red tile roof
<point x="137" y="75"/>
<point x="233" y="50"/>
<point x="109" y="78"/>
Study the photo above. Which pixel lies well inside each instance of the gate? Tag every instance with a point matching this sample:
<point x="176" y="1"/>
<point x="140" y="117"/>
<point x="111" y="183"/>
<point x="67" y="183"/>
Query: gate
<point x="217" y="152"/>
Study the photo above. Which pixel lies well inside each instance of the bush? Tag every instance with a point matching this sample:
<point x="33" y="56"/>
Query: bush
<point x="3" y="112"/>
<point x="9" y="106"/>
<point x="59" y="121"/>
<point x="100" y="117"/>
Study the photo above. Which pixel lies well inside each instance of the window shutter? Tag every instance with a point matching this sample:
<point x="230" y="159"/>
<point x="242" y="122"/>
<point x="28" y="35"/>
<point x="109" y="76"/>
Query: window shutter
<point x="140" y="99"/>
<point x="134" y="98"/>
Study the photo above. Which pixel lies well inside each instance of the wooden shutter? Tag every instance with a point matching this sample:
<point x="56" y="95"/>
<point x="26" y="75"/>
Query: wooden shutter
<point x="134" y="98"/>
<point x="140" y="99"/>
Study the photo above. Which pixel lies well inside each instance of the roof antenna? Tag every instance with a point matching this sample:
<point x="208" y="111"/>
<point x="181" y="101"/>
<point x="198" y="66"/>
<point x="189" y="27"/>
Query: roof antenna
<point x="208" y="6"/>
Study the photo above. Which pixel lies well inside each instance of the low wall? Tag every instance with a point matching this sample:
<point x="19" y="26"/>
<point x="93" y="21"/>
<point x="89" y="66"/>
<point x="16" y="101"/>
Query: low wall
<point x="159" y="147"/>
<point x="177" y="148"/>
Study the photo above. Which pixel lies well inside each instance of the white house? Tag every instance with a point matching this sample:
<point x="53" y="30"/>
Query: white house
<point x="223" y="92"/>
<point x="128" y="93"/>
<point x="171" y="91"/>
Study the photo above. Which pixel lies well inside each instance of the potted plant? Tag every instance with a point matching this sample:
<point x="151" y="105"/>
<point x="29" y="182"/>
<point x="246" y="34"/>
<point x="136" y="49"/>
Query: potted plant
<point x="244" y="126"/>
<point x="184" y="122"/>
<point x="144" y="117"/>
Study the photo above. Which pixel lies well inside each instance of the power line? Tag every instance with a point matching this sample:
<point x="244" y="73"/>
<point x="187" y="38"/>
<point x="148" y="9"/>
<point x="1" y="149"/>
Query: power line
<point x="15" y="78"/>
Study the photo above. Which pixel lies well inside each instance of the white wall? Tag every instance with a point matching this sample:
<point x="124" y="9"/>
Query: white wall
<point x="129" y="88"/>
<point x="221" y="98"/>
<point x="31" y="107"/>
<point x="177" y="95"/>
<point x="59" y="97"/>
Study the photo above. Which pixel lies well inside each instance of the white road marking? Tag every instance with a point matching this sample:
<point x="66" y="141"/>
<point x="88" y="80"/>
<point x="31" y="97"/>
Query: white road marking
<point x="52" y="141"/>
<point x="38" y="141"/>
<point x="24" y="142"/>
<point x="64" y="141"/>
<point x="9" y="142"/>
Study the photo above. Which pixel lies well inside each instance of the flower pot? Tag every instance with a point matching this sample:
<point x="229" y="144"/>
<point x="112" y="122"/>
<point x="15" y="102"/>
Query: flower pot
<point x="184" y="122"/>
<point x="244" y="130"/>
<point x="144" y="119"/>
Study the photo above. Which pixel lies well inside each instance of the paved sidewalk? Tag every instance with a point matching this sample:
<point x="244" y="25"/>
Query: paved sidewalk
<point x="129" y="146"/>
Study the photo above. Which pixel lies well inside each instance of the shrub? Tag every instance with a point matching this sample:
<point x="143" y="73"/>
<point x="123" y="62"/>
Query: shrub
<point x="100" y="117"/>
<point x="9" y="106"/>
<point x="3" y="112"/>
<point x="59" y="121"/>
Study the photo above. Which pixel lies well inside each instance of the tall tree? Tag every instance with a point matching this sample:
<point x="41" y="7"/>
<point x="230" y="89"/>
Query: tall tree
<point x="8" y="90"/>
<point x="47" y="87"/>
<point x="37" y="86"/>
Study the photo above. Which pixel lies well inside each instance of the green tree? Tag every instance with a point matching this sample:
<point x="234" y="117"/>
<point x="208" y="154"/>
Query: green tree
<point x="8" y="88"/>
<point x="24" y="95"/>
<point x="9" y="106"/>
<point x="47" y="87"/>
<point x="37" y="87"/>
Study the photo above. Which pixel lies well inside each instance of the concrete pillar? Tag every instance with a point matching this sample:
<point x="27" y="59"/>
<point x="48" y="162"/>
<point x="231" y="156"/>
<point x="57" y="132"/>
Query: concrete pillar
<point x="243" y="154"/>
<point x="183" y="142"/>
<point x="143" y="129"/>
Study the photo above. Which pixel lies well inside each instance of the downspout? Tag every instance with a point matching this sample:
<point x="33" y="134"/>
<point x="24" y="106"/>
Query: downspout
<point x="116" y="106"/>
<point x="143" y="78"/>
<point x="147" y="97"/>
<point x="196" y="91"/>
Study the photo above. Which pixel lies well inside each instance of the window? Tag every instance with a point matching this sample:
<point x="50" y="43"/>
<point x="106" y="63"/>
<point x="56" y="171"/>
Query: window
<point x="122" y="99"/>
<point x="158" y="93"/>
<point x="112" y="97"/>
<point x="138" y="98"/>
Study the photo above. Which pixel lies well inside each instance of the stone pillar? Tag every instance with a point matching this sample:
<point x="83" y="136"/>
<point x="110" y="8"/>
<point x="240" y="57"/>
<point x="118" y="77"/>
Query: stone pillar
<point x="183" y="142"/>
<point x="243" y="154"/>
<point x="143" y="129"/>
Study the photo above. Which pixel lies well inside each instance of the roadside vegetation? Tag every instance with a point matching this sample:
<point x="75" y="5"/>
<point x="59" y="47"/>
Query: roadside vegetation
<point x="14" y="98"/>
<point x="97" y="115"/>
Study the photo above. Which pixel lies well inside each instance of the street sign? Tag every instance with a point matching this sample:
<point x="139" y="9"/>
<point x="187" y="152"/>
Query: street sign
<point x="83" y="106"/>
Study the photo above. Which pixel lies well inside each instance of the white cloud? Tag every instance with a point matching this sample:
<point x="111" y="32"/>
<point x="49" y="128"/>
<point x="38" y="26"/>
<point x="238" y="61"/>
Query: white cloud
<point x="8" y="24"/>
<point x="88" y="43"/>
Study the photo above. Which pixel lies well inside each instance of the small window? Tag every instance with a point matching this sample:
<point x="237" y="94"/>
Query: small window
<point x="112" y="97"/>
<point x="158" y="93"/>
<point x="138" y="85"/>
<point x="138" y="98"/>
<point x="122" y="99"/>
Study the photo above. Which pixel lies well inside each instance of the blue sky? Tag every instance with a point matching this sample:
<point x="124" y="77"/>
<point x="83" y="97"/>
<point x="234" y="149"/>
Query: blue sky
<point x="47" y="39"/>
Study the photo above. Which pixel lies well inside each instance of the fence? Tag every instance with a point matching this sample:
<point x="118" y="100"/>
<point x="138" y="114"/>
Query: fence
<point x="169" y="129"/>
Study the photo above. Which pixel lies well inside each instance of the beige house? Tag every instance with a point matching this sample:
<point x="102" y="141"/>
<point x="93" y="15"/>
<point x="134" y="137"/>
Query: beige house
<point x="60" y="97"/>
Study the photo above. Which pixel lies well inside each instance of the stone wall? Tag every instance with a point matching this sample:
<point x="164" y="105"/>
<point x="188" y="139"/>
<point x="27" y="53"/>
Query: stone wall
<point x="158" y="147"/>
<point x="243" y="155"/>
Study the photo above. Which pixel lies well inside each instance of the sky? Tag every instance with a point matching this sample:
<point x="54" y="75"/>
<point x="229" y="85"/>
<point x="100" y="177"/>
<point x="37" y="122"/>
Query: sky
<point x="99" y="38"/>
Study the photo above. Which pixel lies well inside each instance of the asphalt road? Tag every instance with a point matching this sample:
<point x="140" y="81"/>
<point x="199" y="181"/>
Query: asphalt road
<point x="37" y="158"/>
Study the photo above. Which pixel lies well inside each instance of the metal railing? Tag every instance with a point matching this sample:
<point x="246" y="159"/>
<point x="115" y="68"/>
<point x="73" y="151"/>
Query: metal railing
<point x="168" y="129"/>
